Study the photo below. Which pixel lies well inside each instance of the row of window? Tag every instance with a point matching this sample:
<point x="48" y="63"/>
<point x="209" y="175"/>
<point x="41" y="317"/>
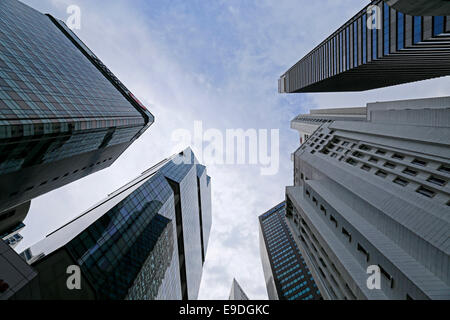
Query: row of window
<point x="360" y="248"/>
<point x="342" y="52"/>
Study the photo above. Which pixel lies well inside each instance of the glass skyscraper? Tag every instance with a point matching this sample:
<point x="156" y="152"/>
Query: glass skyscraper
<point x="63" y="114"/>
<point x="286" y="274"/>
<point x="147" y="240"/>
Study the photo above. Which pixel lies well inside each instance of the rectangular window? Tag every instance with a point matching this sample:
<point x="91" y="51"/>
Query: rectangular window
<point x="426" y="192"/>
<point x="401" y="182"/>
<point x="341" y="52"/>
<point x="363" y="251"/>
<point x="381" y="174"/>
<point x="333" y="220"/>
<point x="366" y="167"/>
<point x="410" y="172"/>
<point x="374" y="43"/>
<point x="417" y="35"/>
<point x="418" y="162"/>
<point x="398" y="156"/>
<point x="347" y="40"/>
<point x="364" y="38"/>
<point x="438" y="181"/>
<point x="387" y="22"/>
<point x="444" y="169"/>
<point x="400" y="31"/>
<point x="347" y="234"/>
<point x="438" y="25"/>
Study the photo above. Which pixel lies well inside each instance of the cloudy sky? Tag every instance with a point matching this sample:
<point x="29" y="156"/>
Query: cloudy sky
<point x="218" y="62"/>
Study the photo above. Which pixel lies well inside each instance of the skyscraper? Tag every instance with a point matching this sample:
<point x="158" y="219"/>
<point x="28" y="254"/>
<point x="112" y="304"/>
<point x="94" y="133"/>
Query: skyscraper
<point x="63" y="114"/>
<point x="236" y="292"/>
<point x="147" y="240"/>
<point x="421" y="7"/>
<point x="285" y="271"/>
<point x="376" y="48"/>
<point x="374" y="195"/>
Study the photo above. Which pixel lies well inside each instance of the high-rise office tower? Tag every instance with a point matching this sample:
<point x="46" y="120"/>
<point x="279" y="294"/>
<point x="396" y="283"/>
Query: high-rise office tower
<point x="421" y="7"/>
<point x="374" y="195"/>
<point x="63" y="114"/>
<point x="236" y="292"/>
<point x="307" y="124"/>
<point x="376" y="48"/>
<point x="147" y="240"/>
<point x="285" y="271"/>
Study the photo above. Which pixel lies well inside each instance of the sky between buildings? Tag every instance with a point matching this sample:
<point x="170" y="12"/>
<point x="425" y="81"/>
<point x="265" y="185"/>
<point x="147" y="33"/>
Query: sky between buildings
<point x="217" y="62"/>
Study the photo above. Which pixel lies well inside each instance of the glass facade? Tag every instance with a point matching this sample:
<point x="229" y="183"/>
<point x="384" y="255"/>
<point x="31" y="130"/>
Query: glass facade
<point x="55" y="105"/>
<point x="291" y="278"/>
<point x="127" y="246"/>
<point x="417" y="29"/>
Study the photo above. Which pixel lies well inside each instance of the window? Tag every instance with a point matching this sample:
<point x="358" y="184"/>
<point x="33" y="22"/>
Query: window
<point x="426" y="192"/>
<point x="387" y="275"/>
<point x="333" y="220"/>
<point x="381" y="173"/>
<point x="438" y="25"/>
<point x="315" y="200"/>
<point x="444" y="169"/>
<point x="418" y="162"/>
<point x="347" y="234"/>
<point x="375" y="42"/>
<point x="410" y="172"/>
<point x="389" y="165"/>
<point x="381" y="152"/>
<point x="438" y="181"/>
<point x="372" y="159"/>
<point x="417" y="36"/>
<point x="364" y="147"/>
<point x="358" y="154"/>
<point x="364" y="38"/>
<point x="386" y="13"/>
<point x="322" y="208"/>
<point x="351" y="161"/>
<point x="366" y="167"/>
<point x="401" y="182"/>
<point x="355" y="44"/>
<point x="347" y="40"/>
<point x="398" y="156"/>
<point x="307" y="193"/>
<point x="363" y="251"/>
<point x="400" y="31"/>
